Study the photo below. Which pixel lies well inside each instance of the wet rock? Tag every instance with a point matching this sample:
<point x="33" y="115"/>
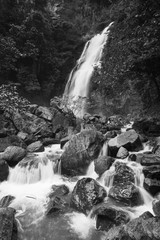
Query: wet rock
<point x="147" y="159"/>
<point x="13" y="155"/>
<point x="44" y="112"/>
<point x="35" y="147"/>
<point x="109" y="216"/>
<point x="129" y="140"/>
<point x="86" y="194"/>
<point x="6" y="201"/>
<point x="122" y="153"/>
<point x="156" y="207"/>
<point x="81" y="149"/>
<point x="132" y="157"/>
<point x="144" y="227"/>
<point x="152" y="171"/>
<point x="102" y="164"/>
<point x="123" y="189"/>
<point x="110" y="134"/>
<point x="4" y="170"/>
<point x="11" y="140"/>
<point x="58" y="200"/>
<point x="152" y="185"/>
<point x="32" y="108"/>
<point x="8" y="226"/>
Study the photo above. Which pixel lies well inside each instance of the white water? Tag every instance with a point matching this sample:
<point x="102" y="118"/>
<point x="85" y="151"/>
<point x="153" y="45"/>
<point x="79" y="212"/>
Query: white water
<point x="77" y="87"/>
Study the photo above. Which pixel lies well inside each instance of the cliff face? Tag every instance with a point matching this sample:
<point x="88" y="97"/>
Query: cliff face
<point x="129" y="81"/>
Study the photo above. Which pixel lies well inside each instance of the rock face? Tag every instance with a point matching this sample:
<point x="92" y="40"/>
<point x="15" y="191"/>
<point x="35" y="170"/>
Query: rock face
<point x="123" y="189"/>
<point x="129" y="140"/>
<point x="86" y="194"/>
<point x="81" y="149"/>
<point x="8" y="226"/>
<point x="13" y="154"/>
<point x="102" y="164"/>
<point x="145" y="227"/>
<point x="109" y="216"/>
<point x="35" y="147"/>
<point x="4" y="170"/>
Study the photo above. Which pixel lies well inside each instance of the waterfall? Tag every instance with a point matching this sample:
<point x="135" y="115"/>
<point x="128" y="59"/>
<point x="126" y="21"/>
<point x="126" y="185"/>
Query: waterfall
<point x="77" y="87"/>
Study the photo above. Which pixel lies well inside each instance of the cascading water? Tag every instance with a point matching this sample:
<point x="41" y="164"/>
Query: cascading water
<point x="77" y="87"/>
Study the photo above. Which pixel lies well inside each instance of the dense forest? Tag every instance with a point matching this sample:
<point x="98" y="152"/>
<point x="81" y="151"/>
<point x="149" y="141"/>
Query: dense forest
<point x="40" y="42"/>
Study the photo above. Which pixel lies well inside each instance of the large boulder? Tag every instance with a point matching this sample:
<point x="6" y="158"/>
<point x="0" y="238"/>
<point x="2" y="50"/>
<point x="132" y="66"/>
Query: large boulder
<point x="102" y="164"/>
<point x="4" y="170"/>
<point x="86" y="194"/>
<point x="123" y="189"/>
<point x="81" y="149"/>
<point x="13" y="155"/>
<point x="122" y="153"/>
<point x="61" y="121"/>
<point x="8" y="226"/>
<point x="35" y="147"/>
<point x="109" y="216"/>
<point x="145" y="227"/>
<point x="129" y="140"/>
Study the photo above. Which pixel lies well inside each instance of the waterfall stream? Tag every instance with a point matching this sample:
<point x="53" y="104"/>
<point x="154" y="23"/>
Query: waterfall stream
<point x="77" y="87"/>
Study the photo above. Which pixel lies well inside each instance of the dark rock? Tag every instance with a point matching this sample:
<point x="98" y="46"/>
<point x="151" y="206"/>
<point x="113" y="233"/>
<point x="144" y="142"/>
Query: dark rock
<point x="31" y="124"/>
<point x="58" y="200"/>
<point x="132" y="157"/>
<point x="8" y="226"/>
<point x="156" y="207"/>
<point x="49" y="141"/>
<point x="35" y="147"/>
<point x="145" y="227"/>
<point x="149" y="127"/>
<point x="32" y="108"/>
<point x="152" y="171"/>
<point x="86" y="194"/>
<point x="81" y="149"/>
<point x="129" y="140"/>
<point x="6" y="201"/>
<point x="6" y="127"/>
<point x="11" y="140"/>
<point x="61" y="121"/>
<point x="152" y="185"/>
<point x="123" y="189"/>
<point x="110" y="134"/>
<point x="4" y="170"/>
<point x="102" y="164"/>
<point x="148" y="159"/>
<point x="122" y="153"/>
<point x="109" y="216"/>
<point x="44" y="112"/>
<point x="13" y="154"/>
<point x="64" y="140"/>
